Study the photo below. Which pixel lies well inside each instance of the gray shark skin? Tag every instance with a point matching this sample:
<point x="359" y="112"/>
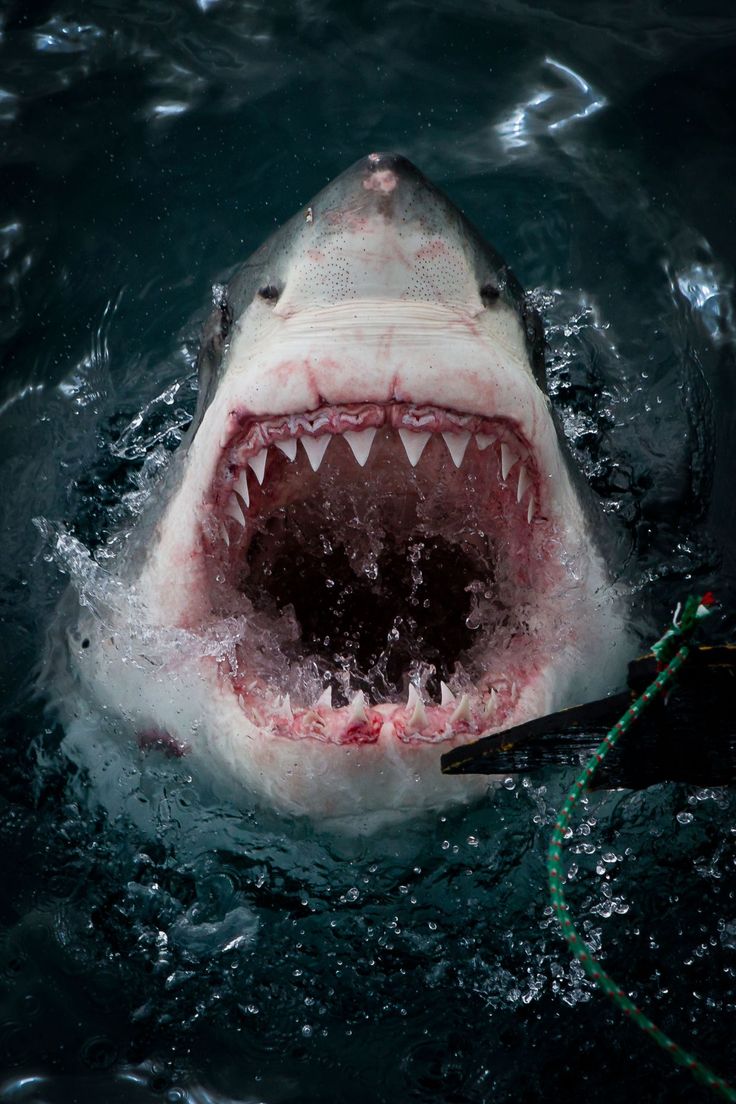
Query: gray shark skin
<point x="372" y="545"/>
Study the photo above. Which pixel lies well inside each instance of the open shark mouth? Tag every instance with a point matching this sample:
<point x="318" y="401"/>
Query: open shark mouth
<point x="393" y="566"/>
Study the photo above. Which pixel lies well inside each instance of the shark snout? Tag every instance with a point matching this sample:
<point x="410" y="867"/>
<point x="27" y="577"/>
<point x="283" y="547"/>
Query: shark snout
<point x="381" y="173"/>
<point x="381" y="231"/>
<point x="389" y="187"/>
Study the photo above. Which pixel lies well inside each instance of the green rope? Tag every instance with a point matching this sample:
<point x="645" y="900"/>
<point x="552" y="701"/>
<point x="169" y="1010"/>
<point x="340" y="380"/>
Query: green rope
<point x="671" y="652"/>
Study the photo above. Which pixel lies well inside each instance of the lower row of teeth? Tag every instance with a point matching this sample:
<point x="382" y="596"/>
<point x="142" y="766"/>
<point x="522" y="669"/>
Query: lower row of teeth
<point x="360" y="443"/>
<point x="456" y="712"/>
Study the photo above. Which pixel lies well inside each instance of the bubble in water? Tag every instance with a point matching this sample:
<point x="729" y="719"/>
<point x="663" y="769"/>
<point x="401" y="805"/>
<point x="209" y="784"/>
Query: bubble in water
<point x="370" y="567"/>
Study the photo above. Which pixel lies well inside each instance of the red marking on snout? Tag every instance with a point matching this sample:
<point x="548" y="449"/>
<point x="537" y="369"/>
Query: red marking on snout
<point x="383" y="181"/>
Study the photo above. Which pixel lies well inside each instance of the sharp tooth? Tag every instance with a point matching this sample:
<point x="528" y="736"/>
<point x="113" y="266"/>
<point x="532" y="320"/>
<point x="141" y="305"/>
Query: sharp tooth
<point x="360" y="442"/>
<point x="530" y="511"/>
<point x="357" y="708"/>
<point x="414" y="703"/>
<point x="418" y="719"/>
<point x="315" y="448"/>
<point x="223" y="534"/>
<point x="312" y="720"/>
<point x="448" y="698"/>
<point x="284" y="707"/>
<point x="233" y="510"/>
<point x="414" y="444"/>
<point x="241" y="486"/>
<point x="456" y="444"/>
<point x="462" y="713"/>
<point x="508" y="459"/>
<point x="491" y="702"/>
<point x="483" y="440"/>
<point x="258" y="464"/>
<point x="524" y="482"/>
<point x="325" y="699"/>
<point x="288" y="447"/>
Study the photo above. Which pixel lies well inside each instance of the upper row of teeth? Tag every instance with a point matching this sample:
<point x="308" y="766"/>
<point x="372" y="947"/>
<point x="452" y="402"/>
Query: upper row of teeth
<point x="361" y="441"/>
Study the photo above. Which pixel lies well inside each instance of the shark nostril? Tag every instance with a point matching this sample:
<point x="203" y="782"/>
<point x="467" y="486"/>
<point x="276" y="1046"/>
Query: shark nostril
<point x="270" y="293"/>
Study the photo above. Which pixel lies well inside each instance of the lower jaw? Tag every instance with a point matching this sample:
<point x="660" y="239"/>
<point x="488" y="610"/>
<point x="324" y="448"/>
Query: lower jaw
<point x="285" y="689"/>
<point x="518" y="695"/>
<point x="374" y="725"/>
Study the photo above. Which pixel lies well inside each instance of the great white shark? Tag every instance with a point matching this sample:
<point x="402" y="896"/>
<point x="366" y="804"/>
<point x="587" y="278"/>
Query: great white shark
<point x="372" y="545"/>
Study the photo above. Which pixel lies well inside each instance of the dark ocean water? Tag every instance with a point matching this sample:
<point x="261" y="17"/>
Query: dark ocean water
<point x="146" y="148"/>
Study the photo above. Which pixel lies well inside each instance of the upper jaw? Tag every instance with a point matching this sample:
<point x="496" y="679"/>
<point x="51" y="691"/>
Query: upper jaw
<point x="378" y="351"/>
<point x="459" y="376"/>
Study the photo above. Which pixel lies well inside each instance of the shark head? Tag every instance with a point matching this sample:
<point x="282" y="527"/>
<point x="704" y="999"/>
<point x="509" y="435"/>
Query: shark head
<point x="373" y="547"/>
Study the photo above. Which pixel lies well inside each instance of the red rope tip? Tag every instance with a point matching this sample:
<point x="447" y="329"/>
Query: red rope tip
<point x="708" y="599"/>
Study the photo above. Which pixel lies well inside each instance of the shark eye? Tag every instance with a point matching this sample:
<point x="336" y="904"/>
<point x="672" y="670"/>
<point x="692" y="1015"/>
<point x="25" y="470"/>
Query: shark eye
<point x="489" y="293"/>
<point x="270" y="293"/>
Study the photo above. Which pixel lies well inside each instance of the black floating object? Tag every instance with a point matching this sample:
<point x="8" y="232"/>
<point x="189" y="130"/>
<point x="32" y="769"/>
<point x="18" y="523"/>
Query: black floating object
<point x="687" y="736"/>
